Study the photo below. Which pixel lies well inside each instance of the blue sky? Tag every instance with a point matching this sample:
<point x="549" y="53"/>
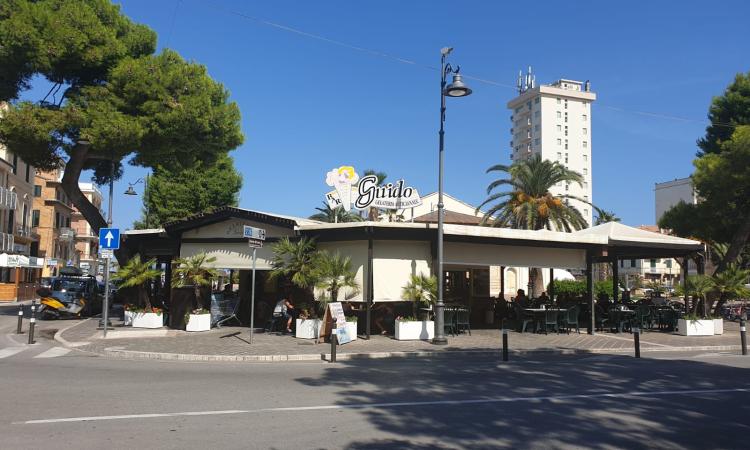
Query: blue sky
<point x="309" y="105"/>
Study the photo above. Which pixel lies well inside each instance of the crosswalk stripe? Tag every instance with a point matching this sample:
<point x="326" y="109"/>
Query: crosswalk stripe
<point x="53" y="352"/>
<point x="10" y="351"/>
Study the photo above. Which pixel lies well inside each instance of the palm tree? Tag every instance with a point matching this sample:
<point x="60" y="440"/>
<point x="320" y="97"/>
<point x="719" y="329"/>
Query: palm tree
<point x="137" y="273"/>
<point x="699" y="286"/>
<point x="326" y="214"/>
<point x="603" y="216"/>
<point x="421" y="289"/>
<point x="334" y="272"/>
<point x="730" y="285"/>
<point x="295" y="260"/>
<point x="527" y="203"/>
<point x="194" y="271"/>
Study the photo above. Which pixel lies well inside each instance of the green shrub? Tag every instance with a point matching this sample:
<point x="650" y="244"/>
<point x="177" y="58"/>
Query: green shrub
<point x="570" y="288"/>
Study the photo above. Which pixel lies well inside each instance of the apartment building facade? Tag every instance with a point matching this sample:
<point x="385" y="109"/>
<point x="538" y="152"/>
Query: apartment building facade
<point x="52" y="219"/>
<point x="554" y="121"/>
<point x="20" y="268"/>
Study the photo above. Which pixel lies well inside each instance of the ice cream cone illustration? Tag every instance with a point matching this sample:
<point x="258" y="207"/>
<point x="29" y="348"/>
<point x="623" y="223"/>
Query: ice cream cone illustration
<point x="342" y="178"/>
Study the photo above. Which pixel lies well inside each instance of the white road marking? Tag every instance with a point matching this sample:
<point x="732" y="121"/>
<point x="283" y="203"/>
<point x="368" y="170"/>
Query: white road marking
<point x="643" y="394"/>
<point x="10" y="351"/>
<point x="54" y="352"/>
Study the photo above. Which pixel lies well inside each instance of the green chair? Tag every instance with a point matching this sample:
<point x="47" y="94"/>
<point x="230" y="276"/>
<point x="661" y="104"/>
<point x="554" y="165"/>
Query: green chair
<point x="643" y="317"/>
<point x="462" y="320"/>
<point x="550" y="319"/>
<point x="522" y="317"/>
<point x="449" y="324"/>
<point x="570" y="318"/>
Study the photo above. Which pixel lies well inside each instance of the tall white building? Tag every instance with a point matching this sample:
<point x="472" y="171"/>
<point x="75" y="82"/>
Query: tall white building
<point x="554" y="121"/>
<point x="670" y="193"/>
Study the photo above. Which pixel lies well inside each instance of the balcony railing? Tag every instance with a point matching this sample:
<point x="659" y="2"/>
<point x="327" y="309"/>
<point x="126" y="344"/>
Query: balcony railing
<point x="66" y="234"/>
<point x="22" y="230"/>
<point x="7" y="242"/>
<point x="8" y="199"/>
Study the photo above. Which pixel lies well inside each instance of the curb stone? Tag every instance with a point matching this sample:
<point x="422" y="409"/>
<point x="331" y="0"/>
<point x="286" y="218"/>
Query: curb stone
<point x="58" y="336"/>
<point x="118" y="353"/>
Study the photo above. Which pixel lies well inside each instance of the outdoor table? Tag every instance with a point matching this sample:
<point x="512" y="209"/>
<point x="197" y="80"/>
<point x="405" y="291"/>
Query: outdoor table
<point x="541" y="313"/>
<point x="625" y="314"/>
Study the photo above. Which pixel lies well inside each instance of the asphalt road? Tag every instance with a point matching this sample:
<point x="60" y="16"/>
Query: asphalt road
<point x="55" y="398"/>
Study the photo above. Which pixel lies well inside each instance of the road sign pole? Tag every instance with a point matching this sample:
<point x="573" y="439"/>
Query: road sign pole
<point x="252" y="300"/>
<point x="105" y="306"/>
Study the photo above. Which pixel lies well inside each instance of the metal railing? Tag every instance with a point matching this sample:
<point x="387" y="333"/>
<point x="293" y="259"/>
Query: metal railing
<point x="8" y="198"/>
<point x="66" y="234"/>
<point x="7" y="242"/>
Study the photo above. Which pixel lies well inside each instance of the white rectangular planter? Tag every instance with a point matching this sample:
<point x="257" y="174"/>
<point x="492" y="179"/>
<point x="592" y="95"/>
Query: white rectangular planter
<point x="307" y="328"/>
<point x="198" y="322"/>
<point x="718" y="326"/>
<point x="128" y="318"/>
<point x="147" y="320"/>
<point x="415" y="330"/>
<point x="351" y="330"/>
<point x="695" y="327"/>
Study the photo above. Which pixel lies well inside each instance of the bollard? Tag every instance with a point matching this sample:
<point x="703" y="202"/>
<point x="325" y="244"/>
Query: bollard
<point x="31" y="322"/>
<point x="334" y="341"/>
<point x="637" y="341"/>
<point x="20" y="320"/>
<point x="505" y="344"/>
<point x="743" y="334"/>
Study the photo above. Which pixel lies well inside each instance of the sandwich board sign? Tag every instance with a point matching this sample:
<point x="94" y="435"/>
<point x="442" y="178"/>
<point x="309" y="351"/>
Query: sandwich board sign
<point x="335" y="309"/>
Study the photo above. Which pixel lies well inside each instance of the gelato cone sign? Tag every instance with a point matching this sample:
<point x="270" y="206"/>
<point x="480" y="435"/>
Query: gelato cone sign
<point x="343" y="178"/>
<point x="351" y="190"/>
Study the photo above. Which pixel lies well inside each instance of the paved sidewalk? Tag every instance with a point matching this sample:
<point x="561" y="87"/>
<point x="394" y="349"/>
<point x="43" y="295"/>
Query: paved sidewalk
<point x="232" y="344"/>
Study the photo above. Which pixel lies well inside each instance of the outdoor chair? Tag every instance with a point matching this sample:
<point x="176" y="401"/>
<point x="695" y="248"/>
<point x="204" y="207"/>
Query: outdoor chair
<point x="570" y="318"/>
<point x="449" y="321"/>
<point x="522" y="317"/>
<point x="618" y="320"/>
<point x="275" y="323"/>
<point x="668" y="319"/>
<point x="462" y="320"/>
<point x="550" y="319"/>
<point x="225" y="309"/>
<point x="600" y="318"/>
<point x="643" y="317"/>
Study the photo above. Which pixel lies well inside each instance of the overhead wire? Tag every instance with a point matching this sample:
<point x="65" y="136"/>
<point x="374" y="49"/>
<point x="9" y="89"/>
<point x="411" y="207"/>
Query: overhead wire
<point x="399" y="59"/>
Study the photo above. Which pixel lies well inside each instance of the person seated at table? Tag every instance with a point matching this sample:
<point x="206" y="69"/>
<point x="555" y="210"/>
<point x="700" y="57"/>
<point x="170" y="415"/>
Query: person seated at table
<point x="544" y="299"/>
<point x="385" y="318"/>
<point x="521" y="298"/>
<point x="284" y="308"/>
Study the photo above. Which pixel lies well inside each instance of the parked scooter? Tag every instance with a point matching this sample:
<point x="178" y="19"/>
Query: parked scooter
<point x="60" y="305"/>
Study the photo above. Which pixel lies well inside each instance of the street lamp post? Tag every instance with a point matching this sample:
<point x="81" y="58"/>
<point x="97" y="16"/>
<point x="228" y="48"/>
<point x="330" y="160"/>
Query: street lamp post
<point x="131" y="191"/>
<point x="456" y="89"/>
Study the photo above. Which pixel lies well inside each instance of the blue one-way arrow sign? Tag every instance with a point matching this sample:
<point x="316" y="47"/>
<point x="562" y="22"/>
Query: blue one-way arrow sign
<point x="109" y="238"/>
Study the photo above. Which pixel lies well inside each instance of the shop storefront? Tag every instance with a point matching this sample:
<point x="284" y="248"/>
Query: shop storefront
<point x="19" y="277"/>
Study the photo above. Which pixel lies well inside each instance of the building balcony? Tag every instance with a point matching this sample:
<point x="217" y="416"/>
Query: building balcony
<point x="8" y="199"/>
<point x="86" y="237"/>
<point x="7" y="242"/>
<point x="66" y="234"/>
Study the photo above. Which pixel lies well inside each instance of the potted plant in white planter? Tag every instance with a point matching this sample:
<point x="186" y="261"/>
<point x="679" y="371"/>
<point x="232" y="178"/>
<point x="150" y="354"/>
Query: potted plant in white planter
<point x="694" y="324"/>
<point x="195" y="271"/>
<point x="198" y="320"/>
<point x="422" y="292"/>
<point x="135" y="274"/>
<point x="147" y="318"/>
<point x="728" y="285"/>
<point x="333" y="274"/>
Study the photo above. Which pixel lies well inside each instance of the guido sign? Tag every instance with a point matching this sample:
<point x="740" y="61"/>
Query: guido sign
<point x="351" y="190"/>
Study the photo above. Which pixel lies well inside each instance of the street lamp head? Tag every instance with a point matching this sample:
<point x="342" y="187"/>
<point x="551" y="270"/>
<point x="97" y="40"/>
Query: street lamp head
<point x="446" y="50"/>
<point x="131" y="191"/>
<point x="457" y="88"/>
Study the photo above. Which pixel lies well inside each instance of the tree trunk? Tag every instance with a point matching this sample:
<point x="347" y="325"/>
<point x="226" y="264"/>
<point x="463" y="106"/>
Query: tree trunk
<point x="143" y="297"/>
<point x="69" y="184"/>
<point x="197" y="294"/>
<point x="739" y="240"/>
